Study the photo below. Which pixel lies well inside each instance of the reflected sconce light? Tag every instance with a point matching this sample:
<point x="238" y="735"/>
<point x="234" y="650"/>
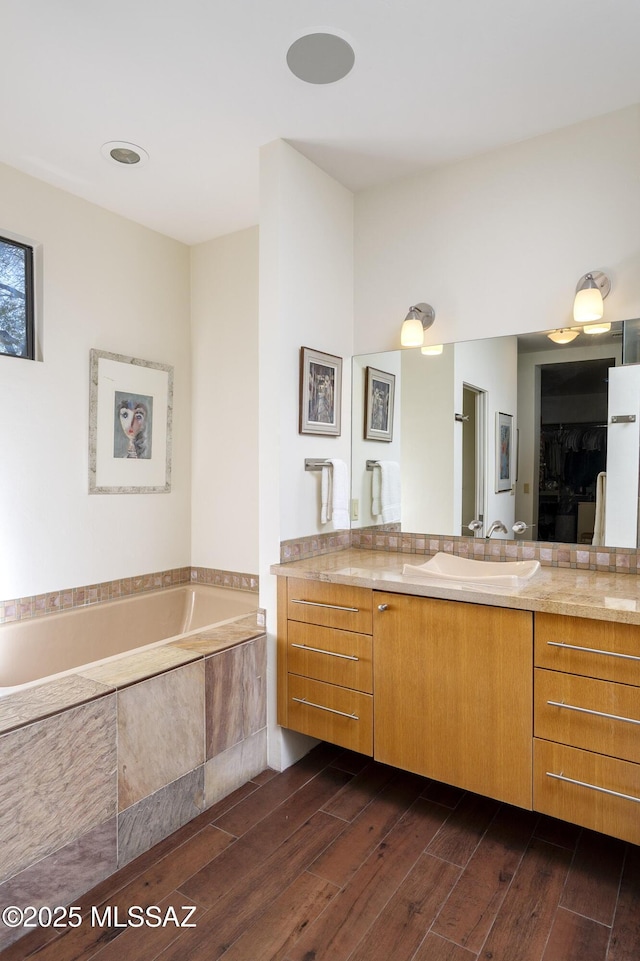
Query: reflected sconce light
<point x="419" y="319"/>
<point x="432" y="350"/>
<point x="588" y="307"/>
<point x="564" y="335"/>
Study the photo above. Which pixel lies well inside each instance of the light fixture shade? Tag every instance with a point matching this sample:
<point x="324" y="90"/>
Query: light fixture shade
<point x="412" y="333"/>
<point x="563" y="336"/>
<point x="419" y="318"/>
<point x="588" y="305"/>
<point x="601" y="328"/>
<point x="432" y="350"/>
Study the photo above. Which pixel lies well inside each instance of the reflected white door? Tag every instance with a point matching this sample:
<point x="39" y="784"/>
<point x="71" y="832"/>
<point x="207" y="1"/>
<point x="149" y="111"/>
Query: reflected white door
<point x="623" y="457"/>
<point x="473" y="460"/>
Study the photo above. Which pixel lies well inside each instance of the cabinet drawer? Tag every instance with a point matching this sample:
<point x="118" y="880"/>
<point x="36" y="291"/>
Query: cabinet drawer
<point x="578" y="645"/>
<point x="606" y="797"/>
<point x="330" y="605"/>
<point x="338" y="657"/>
<point x="596" y="715"/>
<point x="333" y="714"/>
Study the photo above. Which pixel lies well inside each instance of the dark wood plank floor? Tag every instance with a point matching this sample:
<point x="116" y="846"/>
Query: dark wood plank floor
<point x="342" y="858"/>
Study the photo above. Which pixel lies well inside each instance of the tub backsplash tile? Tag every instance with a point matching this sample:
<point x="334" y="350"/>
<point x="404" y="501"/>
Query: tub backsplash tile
<point x="16" y="609"/>
<point x="218" y="578"/>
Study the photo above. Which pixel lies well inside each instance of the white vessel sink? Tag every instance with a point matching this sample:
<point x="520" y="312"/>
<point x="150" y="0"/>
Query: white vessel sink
<point x="450" y="567"/>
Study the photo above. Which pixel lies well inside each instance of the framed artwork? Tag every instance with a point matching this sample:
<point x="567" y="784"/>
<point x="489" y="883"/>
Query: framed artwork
<point x="130" y="413"/>
<point x="380" y="390"/>
<point x="504" y="452"/>
<point x="320" y="392"/>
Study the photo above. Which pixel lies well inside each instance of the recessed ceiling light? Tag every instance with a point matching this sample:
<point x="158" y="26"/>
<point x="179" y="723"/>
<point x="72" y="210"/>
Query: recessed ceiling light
<point x="121" y="152"/>
<point x="320" y="58"/>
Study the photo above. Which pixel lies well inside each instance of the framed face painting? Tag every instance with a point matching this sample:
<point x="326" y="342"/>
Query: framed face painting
<point x="320" y="392"/>
<point x="130" y="413"/>
<point x="378" y="406"/>
<point x="504" y="452"/>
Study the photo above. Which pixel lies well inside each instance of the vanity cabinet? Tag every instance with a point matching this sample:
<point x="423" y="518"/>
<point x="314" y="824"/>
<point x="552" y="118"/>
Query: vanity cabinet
<point x="587" y="723"/>
<point x="453" y="693"/>
<point x="539" y="710"/>
<point x="440" y="688"/>
<point x="325" y="681"/>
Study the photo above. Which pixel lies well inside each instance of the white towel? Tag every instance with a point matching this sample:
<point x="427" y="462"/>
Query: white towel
<point x="601" y="494"/>
<point x="376" y="506"/>
<point x="325" y="491"/>
<point x="334" y="497"/>
<point x="340" y="495"/>
<point x="385" y="491"/>
<point x="390" y="491"/>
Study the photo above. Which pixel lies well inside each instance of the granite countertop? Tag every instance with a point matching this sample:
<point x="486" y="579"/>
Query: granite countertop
<point x="577" y="593"/>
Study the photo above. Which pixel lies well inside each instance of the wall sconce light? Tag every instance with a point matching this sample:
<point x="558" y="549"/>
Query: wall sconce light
<point x="563" y="336"/>
<point x="588" y="308"/>
<point x="419" y="319"/>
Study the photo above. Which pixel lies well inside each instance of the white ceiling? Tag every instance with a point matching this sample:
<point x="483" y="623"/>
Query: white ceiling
<point x="202" y="84"/>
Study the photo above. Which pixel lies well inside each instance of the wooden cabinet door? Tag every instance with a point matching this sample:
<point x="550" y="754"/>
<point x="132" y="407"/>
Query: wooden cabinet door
<point x="453" y="693"/>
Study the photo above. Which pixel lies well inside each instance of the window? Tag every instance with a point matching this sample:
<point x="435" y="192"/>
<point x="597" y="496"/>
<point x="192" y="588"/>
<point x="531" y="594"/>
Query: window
<point x="16" y="299"/>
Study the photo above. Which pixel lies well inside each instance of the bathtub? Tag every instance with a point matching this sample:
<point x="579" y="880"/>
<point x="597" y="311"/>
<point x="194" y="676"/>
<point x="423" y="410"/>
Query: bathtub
<point x="55" y="645"/>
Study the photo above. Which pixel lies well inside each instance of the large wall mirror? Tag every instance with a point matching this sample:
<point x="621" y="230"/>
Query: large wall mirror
<point x="516" y="429"/>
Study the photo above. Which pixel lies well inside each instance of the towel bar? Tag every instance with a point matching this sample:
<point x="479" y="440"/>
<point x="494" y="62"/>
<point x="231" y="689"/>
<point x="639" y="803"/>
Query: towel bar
<point x="372" y="463"/>
<point x="316" y="463"/>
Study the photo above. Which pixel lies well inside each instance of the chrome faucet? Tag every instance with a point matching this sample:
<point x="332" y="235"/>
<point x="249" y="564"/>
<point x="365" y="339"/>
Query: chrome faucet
<point x="496" y="526"/>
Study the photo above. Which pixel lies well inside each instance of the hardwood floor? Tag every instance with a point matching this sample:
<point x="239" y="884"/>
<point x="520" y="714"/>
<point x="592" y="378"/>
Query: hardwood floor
<point x="342" y="858"/>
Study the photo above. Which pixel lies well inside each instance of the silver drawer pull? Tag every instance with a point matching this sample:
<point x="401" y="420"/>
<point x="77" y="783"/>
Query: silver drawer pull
<point x="594" y="787"/>
<point x="586" y="710"/>
<point x="593" y="650"/>
<point x="319" y="650"/>
<point x="332" y="607"/>
<point x="321" y="707"/>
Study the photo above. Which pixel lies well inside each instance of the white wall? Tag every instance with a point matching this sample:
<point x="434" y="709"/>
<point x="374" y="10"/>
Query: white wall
<point x="428" y="430"/>
<point x="497" y="243"/>
<point x="224" y="426"/>
<point x="306" y="299"/>
<point x="111" y="284"/>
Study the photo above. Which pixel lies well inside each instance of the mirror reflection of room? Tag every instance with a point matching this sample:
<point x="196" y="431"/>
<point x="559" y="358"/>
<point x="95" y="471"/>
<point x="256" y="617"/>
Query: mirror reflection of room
<point x="444" y="434"/>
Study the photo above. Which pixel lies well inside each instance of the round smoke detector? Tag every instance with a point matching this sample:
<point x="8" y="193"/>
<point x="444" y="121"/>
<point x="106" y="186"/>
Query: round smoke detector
<point x="320" y="58"/>
<point x="121" y="152"/>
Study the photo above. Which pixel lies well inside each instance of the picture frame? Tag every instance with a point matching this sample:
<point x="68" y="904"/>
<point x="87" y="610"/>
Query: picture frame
<point x="379" y="398"/>
<point x="320" y="393"/>
<point x="504" y="443"/>
<point x="130" y="424"/>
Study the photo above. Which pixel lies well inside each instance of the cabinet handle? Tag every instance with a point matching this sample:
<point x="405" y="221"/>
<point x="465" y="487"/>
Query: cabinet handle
<point x="321" y="707"/>
<point x="333" y="607"/>
<point x="586" y="710"/>
<point x="319" y="650"/>
<point x="383" y="607"/>
<point x="593" y="650"/>
<point x="593" y="787"/>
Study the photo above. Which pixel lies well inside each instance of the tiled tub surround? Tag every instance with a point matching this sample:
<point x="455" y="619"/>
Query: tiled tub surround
<point x="100" y="765"/>
<point x="36" y="605"/>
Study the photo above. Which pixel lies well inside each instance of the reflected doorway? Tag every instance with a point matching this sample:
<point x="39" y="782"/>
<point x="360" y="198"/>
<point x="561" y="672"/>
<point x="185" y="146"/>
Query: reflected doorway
<point x="473" y="456"/>
<point x="573" y="447"/>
